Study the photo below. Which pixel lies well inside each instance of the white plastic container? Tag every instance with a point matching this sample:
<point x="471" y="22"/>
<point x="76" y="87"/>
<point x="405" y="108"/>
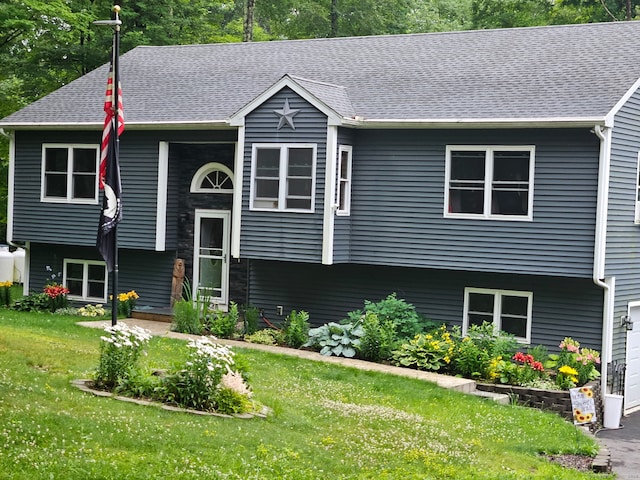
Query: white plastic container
<point x="612" y="410"/>
<point x="18" y="265"/>
<point x="6" y="265"/>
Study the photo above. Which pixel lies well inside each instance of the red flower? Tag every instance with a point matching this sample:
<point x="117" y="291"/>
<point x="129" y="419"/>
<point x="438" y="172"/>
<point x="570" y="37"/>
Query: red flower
<point x="55" y="290"/>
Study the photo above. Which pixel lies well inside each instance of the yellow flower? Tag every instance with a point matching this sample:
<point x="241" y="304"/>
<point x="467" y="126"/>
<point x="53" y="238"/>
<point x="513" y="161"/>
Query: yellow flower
<point x="567" y="370"/>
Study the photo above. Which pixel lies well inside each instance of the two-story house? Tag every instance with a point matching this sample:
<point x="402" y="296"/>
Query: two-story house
<point x="480" y="175"/>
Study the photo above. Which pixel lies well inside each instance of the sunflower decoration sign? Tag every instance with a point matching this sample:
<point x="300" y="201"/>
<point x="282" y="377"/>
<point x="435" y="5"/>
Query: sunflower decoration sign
<point x="583" y="405"/>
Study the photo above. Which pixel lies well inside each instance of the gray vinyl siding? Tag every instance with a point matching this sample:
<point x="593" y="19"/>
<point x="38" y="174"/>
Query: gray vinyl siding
<point x="74" y="224"/>
<point x="33" y="220"/>
<point x="284" y="235"/>
<point x="398" y="203"/>
<point x="342" y="225"/>
<point x="623" y="235"/>
<point x="561" y="307"/>
<point x="148" y="273"/>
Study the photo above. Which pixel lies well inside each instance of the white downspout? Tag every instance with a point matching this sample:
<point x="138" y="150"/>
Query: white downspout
<point x="608" y="285"/>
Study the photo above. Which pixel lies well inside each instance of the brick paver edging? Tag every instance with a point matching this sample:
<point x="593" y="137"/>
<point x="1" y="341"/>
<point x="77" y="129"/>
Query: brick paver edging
<point x="84" y="385"/>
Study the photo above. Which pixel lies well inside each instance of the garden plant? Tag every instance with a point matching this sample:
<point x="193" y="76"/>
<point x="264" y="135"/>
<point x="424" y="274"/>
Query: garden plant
<point x="327" y="422"/>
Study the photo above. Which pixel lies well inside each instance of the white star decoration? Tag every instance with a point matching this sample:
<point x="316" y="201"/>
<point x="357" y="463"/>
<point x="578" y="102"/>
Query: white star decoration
<point x="286" y="115"/>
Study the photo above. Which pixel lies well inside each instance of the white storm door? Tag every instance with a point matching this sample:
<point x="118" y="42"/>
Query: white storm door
<point x="632" y="374"/>
<point x="211" y="257"/>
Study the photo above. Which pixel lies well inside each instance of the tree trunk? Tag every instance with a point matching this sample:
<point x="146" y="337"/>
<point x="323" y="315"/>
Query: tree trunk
<point x="247" y="35"/>
<point x="334" y="19"/>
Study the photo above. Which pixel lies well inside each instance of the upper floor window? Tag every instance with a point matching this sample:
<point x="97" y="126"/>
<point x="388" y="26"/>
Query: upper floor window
<point x="212" y="178"/>
<point x="70" y="173"/>
<point x="637" y="216"/>
<point x="343" y="191"/>
<point x="507" y="310"/>
<point x="283" y="177"/>
<point x="85" y="279"/>
<point x="489" y="182"/>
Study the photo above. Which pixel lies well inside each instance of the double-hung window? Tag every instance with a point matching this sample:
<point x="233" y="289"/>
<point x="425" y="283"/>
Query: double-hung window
<point x="283" y="177"/>
<point x="509" y="311"/>
<point x="489" y="182"/>
<point x="85" y="279"/>
<point x="343" y="190"/>
<point x="70" y="173"/>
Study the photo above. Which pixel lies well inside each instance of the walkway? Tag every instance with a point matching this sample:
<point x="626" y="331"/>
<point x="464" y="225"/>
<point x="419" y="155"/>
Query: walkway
<point x="624" y="446"/>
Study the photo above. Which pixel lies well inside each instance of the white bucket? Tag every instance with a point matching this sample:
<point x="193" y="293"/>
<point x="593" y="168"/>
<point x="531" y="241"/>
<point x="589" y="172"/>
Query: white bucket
<point x="612" y="410"/>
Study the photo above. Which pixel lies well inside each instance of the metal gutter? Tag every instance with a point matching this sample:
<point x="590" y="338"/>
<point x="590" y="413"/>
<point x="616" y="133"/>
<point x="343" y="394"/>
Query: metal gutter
<point x="354" y="122"/>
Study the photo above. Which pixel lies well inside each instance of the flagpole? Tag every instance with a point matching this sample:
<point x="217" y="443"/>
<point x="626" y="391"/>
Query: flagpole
<point x="115" y="90"/>
<point x="116" y="94"/>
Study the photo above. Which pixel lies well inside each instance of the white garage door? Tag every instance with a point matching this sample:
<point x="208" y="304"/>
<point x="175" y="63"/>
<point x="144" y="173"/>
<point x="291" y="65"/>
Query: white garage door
<point x="632" y="384"/>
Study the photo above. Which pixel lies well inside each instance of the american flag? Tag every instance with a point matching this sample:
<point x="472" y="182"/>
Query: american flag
<point x="111" y="213"/>
<point x="108" y="124"/>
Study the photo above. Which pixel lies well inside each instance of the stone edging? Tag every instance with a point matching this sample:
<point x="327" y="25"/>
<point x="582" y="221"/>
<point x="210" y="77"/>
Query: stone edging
<point x="84" y="385"/>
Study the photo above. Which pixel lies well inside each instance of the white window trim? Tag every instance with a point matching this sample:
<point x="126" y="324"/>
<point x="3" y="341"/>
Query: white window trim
<point x="283" y="147"/>
<point x="497" y="295"/>
<point x="85" y="279"/>
<point x="68" y="198"/>
<point x="489" y="149"/>
<point x="346" y="211"/>
<point x="637" y="192"/>
<point x="205" y="170"/>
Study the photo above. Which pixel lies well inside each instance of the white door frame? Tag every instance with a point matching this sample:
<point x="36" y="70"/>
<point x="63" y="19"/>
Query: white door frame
<point x="221" y="302"/>
<point x="636" y="366"/>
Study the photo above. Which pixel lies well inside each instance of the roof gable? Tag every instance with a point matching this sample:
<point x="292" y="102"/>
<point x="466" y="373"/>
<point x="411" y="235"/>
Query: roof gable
<point x="331" y="100"/>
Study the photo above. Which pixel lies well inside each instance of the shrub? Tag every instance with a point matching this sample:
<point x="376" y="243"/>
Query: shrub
<point x="221" y="324"/>
<point x="92" y="311"/>
<point x="471" y="360"/>
<point x="524" y="370"/>
<point x="378" y="340"/>
<point x="186" y="314"/>
<point x="426" y="351"/>
<point x="57" y="295"/>
<point x="582" y="363"/>
<point x="296" y="329"/>
<point x="34" y="302"/>
<point x="119" y="353"/>
<point x="404" y="316"/>
<point x="198" y="384"/>
<point x="479" y="348"/>
<point x="72" y="311"/>
<point x="186" y="318"/>
<point x="126" y="303"/>
<point x="251" y="315"/>
<point x="5" y="293"/>
<point x="267" y="336"/>
<point x="340" y="339"/>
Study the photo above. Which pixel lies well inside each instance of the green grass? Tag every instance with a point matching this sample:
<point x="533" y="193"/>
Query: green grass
<point x="328" y="422"/>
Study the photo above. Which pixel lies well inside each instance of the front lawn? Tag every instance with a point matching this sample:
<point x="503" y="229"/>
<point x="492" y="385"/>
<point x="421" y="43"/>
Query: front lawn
<point x="328" y="422"/>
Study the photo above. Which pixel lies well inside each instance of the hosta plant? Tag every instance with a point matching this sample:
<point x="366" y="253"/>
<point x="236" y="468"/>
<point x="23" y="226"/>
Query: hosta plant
<point x="339" y="339"/>
<point x="430" y="351"/>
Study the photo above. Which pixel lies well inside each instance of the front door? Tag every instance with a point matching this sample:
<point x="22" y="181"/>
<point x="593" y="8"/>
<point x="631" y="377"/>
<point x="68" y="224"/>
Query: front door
<point x="211" y="257"/>
<point x="632" y="375"/>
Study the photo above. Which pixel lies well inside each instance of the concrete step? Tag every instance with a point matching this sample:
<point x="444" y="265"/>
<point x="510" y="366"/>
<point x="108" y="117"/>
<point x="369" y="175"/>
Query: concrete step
<point x="496" y="397"/>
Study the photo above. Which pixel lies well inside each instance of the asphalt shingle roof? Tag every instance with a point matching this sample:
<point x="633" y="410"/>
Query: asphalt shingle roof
<point x="557" y="72"/>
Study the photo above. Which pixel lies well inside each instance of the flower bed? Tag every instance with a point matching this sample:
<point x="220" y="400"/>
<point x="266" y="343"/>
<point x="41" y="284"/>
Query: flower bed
<point x="558" y="401"/>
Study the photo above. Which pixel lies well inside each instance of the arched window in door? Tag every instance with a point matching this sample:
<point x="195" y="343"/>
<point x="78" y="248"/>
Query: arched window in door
<point x="212" y="178"/>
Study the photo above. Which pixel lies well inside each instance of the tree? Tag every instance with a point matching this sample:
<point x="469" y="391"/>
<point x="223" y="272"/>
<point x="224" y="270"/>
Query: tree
<point x="510" y="13"/>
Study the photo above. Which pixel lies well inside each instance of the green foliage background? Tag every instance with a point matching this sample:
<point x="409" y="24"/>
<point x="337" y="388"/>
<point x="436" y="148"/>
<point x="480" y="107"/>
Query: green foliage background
<point x="45" y="44"/>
